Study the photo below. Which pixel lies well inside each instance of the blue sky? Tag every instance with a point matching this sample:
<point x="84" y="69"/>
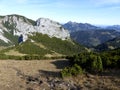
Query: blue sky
<point x="101" y="12"/>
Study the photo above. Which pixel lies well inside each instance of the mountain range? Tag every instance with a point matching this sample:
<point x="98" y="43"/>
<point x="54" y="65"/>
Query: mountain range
<point x="94" y="37"/>
<point x="48" y="38"/>
<point x="74" y="26"/>
<point x="43" y="38"/>
<point x="114" y="27"/>
<point x="91" y="35"/>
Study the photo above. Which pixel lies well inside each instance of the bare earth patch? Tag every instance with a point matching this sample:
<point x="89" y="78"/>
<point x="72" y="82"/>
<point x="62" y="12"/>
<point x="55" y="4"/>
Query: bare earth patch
<point x="45" y="75"/>
<point x="12" y="70"/>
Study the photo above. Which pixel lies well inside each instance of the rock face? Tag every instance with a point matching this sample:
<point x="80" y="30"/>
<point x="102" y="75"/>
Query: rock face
<point x="51" y="28"/>
<point x="15" y="25"/>
<point x="2" y="37"/>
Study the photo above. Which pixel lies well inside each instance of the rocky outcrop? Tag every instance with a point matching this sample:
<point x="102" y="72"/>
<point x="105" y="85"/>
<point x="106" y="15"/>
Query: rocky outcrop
<point x="51" y="28"/>
<point x="40" y="82"/>
<point x="17" y="25"/>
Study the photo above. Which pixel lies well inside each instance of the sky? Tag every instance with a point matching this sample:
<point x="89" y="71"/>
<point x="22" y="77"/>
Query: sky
<point x="98" y="12"/>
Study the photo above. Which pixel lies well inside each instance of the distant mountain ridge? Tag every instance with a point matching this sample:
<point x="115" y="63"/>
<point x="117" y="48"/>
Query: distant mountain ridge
<point x="91" y="35"/>
<point x="115" y="27"/>
<point x="74" y="26"/>
<point x="94" y="37"/>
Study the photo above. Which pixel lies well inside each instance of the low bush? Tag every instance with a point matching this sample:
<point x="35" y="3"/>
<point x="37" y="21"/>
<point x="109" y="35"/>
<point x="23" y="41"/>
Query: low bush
<point x="89" y="61"/>
<point x="111" y="59"/>
<point x="71" y="71"/>
<point x="96" y="62"/>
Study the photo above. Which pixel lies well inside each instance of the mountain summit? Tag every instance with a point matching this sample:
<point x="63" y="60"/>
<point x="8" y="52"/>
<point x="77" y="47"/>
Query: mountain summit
<point x="12" y="26"/>
<point x="51" y="28"/>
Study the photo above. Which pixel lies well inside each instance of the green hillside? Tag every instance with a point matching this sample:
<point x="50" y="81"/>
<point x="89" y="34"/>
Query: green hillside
<point x="109" y="45"/>
<point x="92" y="38"/>
<point x="65" y="47"/>
<point x="42" y="46"/>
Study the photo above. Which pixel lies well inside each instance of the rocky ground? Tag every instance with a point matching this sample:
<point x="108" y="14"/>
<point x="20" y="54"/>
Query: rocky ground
<point x="45" y="75"/>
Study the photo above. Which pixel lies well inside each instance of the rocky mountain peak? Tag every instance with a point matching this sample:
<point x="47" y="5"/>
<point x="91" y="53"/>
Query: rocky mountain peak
<point x="17" y="25"/>
<point x="52" y="28"/>
<point x="46" y="22"/>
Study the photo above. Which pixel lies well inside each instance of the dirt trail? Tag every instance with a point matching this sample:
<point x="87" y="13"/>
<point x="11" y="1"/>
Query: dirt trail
<point x="10" y="71"/>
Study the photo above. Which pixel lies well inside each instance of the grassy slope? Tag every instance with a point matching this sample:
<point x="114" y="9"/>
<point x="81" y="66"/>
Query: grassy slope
<point x="109" y="45"/>
<point x="42" y="45"/>
<point x="65" y="47"/>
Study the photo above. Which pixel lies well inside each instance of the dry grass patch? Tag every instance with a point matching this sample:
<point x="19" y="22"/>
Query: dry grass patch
<point x="11" y="78"/>
<point x="2" y="47"/>
<point x="40" y="45"/>
<point x="14" y="53"/>
<point x="11" y="70"/>
<point x="54" y="54"/>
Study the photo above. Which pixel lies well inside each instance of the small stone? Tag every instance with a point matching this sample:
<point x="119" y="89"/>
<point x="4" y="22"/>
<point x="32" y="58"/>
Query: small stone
<point x="40" y="82"/>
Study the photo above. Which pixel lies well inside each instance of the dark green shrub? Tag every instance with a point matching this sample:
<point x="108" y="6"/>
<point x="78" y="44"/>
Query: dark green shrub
<point x="79" y="59"/>
<point x="111" y="59"/>
<point x="76" y="69"/>
<point x="66" y="72"/>
<point x="33" y="57"/>
<point x="89" y="61"/>
<point x="95" y="63"/>
<point x="71" y="71"/>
